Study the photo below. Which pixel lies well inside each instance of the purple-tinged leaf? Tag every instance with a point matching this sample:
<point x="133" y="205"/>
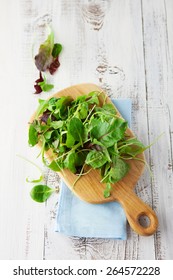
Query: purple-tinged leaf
<point x="37" y="86"/>
<point x="54" y="66"/>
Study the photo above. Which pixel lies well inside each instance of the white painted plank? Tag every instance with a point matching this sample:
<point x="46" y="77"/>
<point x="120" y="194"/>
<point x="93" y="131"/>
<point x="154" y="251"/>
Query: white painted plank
<point x="21" y="221"/>
<point x="169" y="31"/>
<point x="159" y="94"/>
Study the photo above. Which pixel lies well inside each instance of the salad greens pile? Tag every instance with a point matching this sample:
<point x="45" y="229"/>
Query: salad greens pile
<point x="84" y="135"/>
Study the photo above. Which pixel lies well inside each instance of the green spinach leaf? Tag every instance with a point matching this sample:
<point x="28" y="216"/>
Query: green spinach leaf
<point x="118" y="171"/>
<point x="109" y="134"/>
<point x="76" y="129"/>
<point x="54" y="166"/>
<point x="71" y="161"/>
<point x="57" y="48"/>
<point x="41" y="193"/>
<point x="70" y="140"/>
<point x="32" y="136"/>
<point x="96" y="159"/>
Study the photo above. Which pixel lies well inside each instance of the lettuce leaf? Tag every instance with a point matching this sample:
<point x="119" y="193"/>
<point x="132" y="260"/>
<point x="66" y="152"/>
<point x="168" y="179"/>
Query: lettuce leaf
<point x="44" y="57"/>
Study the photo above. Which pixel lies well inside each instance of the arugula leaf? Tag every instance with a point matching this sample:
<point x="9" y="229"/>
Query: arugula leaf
<point x="41" y="193"/>
<point x="32" y="136"/>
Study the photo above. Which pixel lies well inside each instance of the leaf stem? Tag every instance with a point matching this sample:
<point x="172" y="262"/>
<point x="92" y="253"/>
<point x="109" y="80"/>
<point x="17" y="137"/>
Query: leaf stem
<point x="29" y="161"/>
<point x="80" y="174"/>
<point x="89" y="114"/>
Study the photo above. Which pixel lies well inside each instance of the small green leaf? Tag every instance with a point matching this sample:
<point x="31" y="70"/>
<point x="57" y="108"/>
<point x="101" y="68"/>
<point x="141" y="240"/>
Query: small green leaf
<point x="83" y="111"/>
<point x="93" y="97"/>
<point x="80" y="99"/>
<point x="55" y="143"/>
<point x="44" y="86"/>
<point x="43" y="104"/>
<point x="70" y="140"/>
<point x="56" y="124"/>
<point x="32" y="136"/>
<point x="118" y="171"/>
<point x="52" y="104"/>
<point x="109" y="133"/>
<point x="96" y="159"/>
<point x="107" y="191"/>
<point x="71" y="161"/>
<point x="109" y="108"/>
<point x="64" y="100"/>
<point x="54" y="166"/>
<point x="57" y="48"/>
<point x="76" y="129"/>
<point x="41" y="193"/>
<point x="47" y="87"/>
<point x="48" y="134"/>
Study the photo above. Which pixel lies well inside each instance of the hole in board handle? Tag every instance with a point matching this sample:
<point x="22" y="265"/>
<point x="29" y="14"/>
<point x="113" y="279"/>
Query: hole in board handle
<point x="144" y="221"/>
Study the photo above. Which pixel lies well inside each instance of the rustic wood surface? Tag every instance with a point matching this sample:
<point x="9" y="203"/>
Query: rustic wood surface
<point x="124" y="46"/>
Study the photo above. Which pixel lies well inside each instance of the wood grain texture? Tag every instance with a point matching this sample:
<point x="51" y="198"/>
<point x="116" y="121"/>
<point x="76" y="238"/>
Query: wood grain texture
<point x="124" y="46"/>
<point x="158" y="79"/>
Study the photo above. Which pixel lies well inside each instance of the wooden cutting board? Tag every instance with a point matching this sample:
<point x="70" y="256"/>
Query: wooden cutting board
<point x="89" y="188"/>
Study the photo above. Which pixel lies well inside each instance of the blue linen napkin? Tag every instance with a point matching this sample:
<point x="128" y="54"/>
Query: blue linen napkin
<point x="79" y="218"/>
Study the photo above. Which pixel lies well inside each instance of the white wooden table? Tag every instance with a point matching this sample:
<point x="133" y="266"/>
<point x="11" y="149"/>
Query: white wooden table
<point x="124" y="46"/>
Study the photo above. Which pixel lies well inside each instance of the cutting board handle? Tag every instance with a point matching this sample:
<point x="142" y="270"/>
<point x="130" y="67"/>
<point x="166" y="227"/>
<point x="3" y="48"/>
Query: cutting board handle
<point x="135" y="208"/>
